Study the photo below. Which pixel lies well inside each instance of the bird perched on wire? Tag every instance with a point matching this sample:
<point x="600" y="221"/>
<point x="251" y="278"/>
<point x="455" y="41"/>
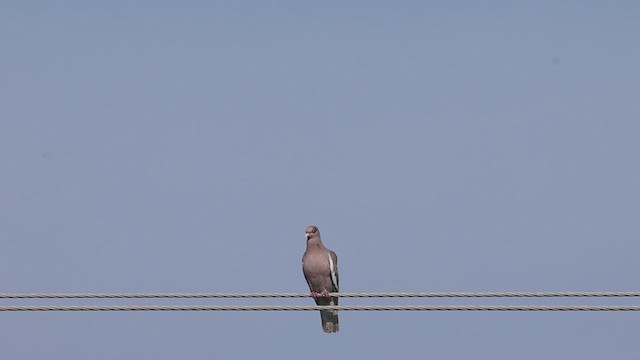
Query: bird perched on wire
<point x="320" y="268"/>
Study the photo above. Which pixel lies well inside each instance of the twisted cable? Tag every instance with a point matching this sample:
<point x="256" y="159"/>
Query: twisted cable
<point x="315" y="308"/>
<point x="304" y="295"/>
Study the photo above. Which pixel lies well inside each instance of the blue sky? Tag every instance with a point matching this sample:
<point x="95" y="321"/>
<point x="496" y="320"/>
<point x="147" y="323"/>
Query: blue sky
<point x="439" y="146"/>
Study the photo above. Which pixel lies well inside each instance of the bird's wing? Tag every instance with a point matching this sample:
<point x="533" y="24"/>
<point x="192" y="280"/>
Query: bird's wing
<point x="333" y="268"/>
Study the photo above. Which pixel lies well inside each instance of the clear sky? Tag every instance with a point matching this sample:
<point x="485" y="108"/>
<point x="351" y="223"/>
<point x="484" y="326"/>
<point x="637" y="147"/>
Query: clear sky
<point x="156" y="146"/>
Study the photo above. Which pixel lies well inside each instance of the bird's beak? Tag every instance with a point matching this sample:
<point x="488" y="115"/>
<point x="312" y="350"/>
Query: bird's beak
<point x="307" y="235"/>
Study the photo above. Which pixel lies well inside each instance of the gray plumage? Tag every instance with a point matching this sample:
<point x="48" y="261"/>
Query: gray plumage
<point x="320" y="268"/>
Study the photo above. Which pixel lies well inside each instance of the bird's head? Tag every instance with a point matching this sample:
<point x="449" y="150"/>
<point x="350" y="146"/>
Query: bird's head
<point x="312" y="232"/>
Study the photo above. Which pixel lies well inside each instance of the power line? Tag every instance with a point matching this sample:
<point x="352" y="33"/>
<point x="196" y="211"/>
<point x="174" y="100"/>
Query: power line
<point x="315" y="308"/>
<point x="306" y="295"/>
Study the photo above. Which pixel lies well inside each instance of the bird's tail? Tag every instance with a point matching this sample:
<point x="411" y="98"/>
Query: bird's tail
<point x="330" y="318"/>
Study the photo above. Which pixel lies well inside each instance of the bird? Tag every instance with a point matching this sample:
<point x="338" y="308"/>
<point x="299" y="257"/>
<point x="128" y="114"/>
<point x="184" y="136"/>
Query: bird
<point x="320" y="269"/>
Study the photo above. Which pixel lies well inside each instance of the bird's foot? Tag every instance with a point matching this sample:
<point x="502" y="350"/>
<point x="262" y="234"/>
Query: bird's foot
<point x="314" y="294"/>
<point x="325" y="293"/>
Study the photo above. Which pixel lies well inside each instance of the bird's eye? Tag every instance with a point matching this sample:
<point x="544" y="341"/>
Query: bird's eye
<point x="315" y="230"/>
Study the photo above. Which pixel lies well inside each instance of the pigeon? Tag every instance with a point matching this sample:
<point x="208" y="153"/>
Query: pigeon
<point x="320" y="268"/>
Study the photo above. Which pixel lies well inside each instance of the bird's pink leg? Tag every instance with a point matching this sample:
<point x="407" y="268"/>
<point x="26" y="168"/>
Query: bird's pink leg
<point x="325" y="293"/>
<point x="314" y="294"/>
